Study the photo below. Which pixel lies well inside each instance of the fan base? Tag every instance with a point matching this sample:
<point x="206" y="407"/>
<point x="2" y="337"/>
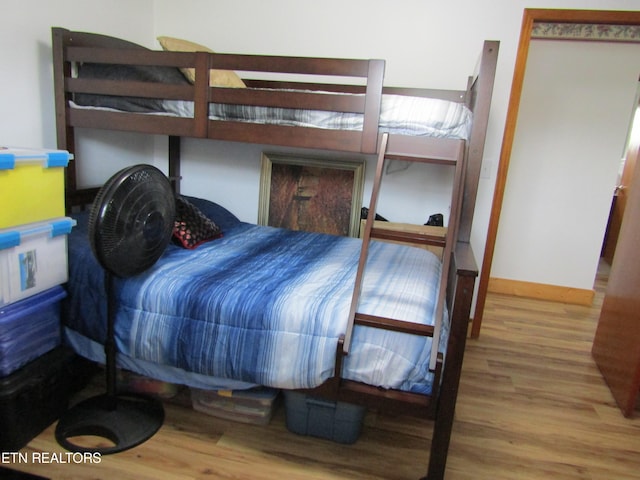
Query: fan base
<point x="126" y="420"/>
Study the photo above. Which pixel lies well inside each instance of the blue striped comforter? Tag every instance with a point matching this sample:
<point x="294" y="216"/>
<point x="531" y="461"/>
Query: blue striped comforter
<point x="265" y="306"/>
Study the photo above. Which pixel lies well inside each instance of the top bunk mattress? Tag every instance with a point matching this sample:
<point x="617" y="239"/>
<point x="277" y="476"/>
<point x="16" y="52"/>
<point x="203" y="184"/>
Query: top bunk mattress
<point x="399" y="114"/>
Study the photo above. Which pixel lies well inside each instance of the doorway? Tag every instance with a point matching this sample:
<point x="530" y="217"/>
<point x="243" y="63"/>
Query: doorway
<point x="621" y="188"/>
<point x="530" y="19"/>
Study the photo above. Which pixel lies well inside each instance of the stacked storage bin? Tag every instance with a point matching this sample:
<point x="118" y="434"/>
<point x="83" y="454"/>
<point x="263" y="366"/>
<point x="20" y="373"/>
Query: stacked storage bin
<point x="33" y="267"/>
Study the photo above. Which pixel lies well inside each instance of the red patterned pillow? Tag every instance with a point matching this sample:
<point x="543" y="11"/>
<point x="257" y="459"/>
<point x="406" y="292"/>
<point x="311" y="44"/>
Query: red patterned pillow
<point x="191" y="226"/>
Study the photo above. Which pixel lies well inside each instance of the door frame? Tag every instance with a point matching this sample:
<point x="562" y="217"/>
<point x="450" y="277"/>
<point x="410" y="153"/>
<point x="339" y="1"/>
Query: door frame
<point x="530" y="16"/>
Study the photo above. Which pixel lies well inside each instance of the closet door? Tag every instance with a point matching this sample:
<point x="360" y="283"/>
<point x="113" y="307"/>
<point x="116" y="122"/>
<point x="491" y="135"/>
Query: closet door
<point x="616" y="346"/>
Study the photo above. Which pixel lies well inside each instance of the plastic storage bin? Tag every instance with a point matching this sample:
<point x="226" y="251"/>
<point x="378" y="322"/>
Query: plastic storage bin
<point x="35" y="396"/>
<point x="253" y="406"/>
<point x="29" y="328"/>
<point x="337" y="421"/>
<point x="31" y="185"/>
<point x="33" y="258"/>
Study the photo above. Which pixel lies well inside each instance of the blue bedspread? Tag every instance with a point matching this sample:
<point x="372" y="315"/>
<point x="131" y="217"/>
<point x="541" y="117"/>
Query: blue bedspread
<point x="265" y="306"/>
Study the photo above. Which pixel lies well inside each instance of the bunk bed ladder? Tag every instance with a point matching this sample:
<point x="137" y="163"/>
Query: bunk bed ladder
<point x="447" y="244"/>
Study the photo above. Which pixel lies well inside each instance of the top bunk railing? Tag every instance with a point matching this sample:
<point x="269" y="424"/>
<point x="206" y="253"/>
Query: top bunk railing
<point x="362" y="97"/>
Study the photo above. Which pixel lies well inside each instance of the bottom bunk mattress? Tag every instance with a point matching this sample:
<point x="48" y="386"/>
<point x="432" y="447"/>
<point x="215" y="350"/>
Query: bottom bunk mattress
<point x="259" y="305"/>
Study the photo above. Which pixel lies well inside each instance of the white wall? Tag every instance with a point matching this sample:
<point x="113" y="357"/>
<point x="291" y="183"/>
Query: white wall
<point x="425" y="44"/>
<point x="576" y="105"/>
<point x="26" y="96"/>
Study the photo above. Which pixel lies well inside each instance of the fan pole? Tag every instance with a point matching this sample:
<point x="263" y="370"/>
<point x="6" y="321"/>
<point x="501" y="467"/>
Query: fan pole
<point x="110" y="344"/>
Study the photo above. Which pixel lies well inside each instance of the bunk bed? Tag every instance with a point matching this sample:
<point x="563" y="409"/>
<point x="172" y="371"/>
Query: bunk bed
<point x="157" y="101"/>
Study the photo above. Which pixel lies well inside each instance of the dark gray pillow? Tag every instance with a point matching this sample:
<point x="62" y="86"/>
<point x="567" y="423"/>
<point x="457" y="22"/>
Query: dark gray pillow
<point x="127" y="72"/>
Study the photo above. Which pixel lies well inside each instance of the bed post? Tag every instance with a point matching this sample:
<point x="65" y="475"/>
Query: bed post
<point x="479" y="92"/>
<point x="463" y="275"/>
<point x="174" y="163"/>
<point x="64" y="133"/>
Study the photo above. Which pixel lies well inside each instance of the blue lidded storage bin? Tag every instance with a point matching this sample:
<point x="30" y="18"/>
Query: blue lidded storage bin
<point x="33" y="258"/>
<point x="29" y="328"/>
<point x="340" y="422"/>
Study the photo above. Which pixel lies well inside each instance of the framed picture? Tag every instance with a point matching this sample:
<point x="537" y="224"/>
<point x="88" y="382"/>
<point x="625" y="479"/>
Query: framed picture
<point x="311" y="194"/>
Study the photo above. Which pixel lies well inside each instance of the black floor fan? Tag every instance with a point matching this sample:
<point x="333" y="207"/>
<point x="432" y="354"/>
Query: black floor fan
<point x="130" y="226"/>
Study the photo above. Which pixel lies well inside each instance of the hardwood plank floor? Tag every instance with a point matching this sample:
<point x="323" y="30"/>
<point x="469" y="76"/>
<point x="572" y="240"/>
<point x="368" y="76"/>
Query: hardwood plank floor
<point x="532" y="405"/>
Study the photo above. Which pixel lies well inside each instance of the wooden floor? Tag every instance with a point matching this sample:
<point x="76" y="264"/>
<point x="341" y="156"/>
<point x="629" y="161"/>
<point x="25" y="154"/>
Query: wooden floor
<point x="532" y="405"/>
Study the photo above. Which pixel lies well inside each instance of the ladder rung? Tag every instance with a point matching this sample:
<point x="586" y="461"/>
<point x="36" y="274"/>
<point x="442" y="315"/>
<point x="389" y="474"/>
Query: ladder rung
<point x="393" y="325"/>
<point x="441" y="150"/>
<point x="410" y="158"/>
<point x="408" y="237"/>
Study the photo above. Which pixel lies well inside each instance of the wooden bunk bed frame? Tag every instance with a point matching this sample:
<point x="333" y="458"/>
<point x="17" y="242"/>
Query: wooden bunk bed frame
<point x="70" y="48"/>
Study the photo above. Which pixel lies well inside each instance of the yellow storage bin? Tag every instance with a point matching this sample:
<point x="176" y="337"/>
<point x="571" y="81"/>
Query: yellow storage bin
<point x="31" y="185"/>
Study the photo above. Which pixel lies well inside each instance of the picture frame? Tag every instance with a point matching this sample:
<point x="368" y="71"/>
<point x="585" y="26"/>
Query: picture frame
<point x="311" y="194"/>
